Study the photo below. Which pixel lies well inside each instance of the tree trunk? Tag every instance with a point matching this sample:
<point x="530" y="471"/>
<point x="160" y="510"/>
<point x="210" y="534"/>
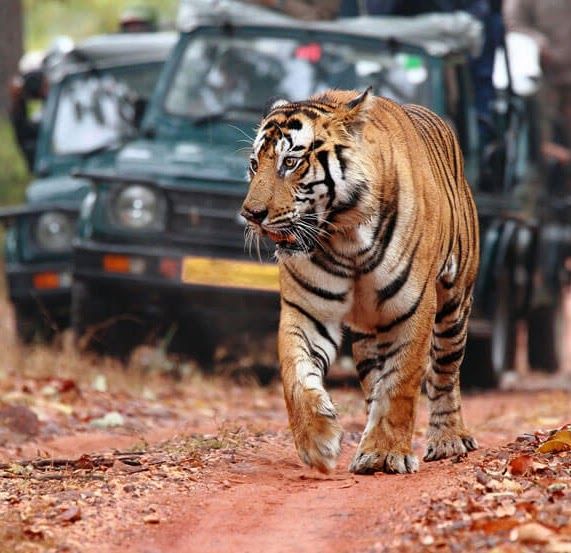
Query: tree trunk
<point x="10" y="46"/>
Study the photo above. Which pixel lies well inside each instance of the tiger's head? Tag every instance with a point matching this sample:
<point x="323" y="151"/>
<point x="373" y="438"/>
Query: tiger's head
<point x="308" y="175"/>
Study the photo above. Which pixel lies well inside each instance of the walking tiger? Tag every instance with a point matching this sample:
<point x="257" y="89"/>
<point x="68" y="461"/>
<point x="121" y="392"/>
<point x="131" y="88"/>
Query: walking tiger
<point x="376" y="231"/>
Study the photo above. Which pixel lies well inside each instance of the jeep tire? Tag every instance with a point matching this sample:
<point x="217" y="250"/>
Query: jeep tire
<point x="33" y="325"/>
<point x="477" y="370"/>
<point x="545" y="335"/>
<point x="504" y="326"/>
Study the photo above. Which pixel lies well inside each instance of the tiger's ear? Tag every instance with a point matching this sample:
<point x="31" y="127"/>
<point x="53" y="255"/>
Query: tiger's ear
<point x="356" y="110"/>
<point x="360" y="100"/>
<point x="272" y="103"/>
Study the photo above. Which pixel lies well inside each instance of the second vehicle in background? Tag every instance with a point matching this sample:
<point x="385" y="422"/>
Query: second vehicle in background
<point x="98" y="91"/>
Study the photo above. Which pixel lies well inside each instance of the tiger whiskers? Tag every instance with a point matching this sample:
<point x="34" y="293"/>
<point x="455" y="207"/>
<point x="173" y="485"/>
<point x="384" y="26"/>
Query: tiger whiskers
<point x="313" y="226"/>
<point x="321" y="217"/>
<point x="258" y="248"/>
<point x="300" y="238"/>
<point x="242" y="149"/>
<point x="250" y="138"/>
<point x="315" y="230"/>
<point x="251" y="237"/>
<point x="248" y="239"/>
<point x="309" y="233"/>
<point x="306" y="230"/>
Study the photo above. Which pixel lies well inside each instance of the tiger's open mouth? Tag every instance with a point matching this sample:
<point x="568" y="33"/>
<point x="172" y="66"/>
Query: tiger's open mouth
<point x="284" y="241"/>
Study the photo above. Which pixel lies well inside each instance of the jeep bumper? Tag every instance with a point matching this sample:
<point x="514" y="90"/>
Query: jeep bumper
<point x="171" y="282"/>
<point x="49" y="283"/>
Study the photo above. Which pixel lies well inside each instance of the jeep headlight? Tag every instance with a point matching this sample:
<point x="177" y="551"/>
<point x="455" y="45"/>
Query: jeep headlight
<point x="54" y="231"/>
<point x="139" y="207"/>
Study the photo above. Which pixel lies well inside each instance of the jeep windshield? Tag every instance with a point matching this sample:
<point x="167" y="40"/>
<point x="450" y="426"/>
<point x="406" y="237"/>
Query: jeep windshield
<point x="98" y="109"/>
<point x="232" y="76"/>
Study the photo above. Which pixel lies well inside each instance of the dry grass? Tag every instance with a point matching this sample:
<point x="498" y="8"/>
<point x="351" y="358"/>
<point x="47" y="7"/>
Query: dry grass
<point x="151" y="378"/>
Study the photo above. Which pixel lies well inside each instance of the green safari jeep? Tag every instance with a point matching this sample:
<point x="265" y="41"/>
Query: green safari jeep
<point x="97" y="94"/>
<point x="160" y="248"/>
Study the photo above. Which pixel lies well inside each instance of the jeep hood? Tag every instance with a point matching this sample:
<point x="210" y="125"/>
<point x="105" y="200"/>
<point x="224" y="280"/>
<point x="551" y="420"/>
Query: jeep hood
<point x="183" y="159"/>
<point x="61" y="188"/>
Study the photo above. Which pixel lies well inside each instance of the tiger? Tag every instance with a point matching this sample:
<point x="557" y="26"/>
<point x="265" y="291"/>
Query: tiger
<point x="376" y="235"/>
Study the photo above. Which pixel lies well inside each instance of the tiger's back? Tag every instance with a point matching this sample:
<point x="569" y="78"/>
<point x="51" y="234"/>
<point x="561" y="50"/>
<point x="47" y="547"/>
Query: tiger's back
<point x="376" y="229"/>
<point x="447" y="164"/>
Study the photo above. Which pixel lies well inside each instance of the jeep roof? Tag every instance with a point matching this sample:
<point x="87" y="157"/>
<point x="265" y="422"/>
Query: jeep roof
<point x="437" y="34"/>
<point x="114" y="49"/>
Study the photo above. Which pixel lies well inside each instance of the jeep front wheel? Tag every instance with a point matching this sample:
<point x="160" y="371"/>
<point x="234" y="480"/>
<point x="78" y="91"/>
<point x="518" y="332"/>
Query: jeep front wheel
<point x="503" y="339"/>
<point x="545" y="330"/>
<point x="31" y="325"/>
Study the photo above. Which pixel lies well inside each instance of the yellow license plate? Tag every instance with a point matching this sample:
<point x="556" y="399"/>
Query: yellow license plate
<point x="228" y="273"/>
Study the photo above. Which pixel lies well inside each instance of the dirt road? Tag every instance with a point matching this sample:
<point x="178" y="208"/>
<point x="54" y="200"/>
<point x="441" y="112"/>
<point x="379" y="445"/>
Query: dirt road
<point x="207" y="466"/>
<point x="159" y="459"/>
<point x="267" y="502"/>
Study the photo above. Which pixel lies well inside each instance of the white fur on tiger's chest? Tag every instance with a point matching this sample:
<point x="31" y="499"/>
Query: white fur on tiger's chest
<point x="360" y="239"/>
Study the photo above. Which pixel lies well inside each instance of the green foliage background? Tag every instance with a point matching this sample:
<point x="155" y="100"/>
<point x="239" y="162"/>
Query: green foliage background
<point x="45" y="20"/>
<point x="13" y="172"/>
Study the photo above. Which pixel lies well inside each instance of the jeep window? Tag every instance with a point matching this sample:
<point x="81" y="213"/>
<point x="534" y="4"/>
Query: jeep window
<point x="97" y="109"/>
<point x="222" y="74"/>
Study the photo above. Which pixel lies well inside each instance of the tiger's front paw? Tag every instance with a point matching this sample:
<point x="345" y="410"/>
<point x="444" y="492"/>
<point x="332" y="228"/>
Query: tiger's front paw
<point x="441" y="445"/>
<point x="316" y="431"/>
<point x="368" y="462"/>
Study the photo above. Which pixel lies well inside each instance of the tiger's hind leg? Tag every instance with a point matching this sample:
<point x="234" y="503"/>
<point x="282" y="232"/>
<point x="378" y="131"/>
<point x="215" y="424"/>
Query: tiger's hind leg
<point x="447" y="436"/>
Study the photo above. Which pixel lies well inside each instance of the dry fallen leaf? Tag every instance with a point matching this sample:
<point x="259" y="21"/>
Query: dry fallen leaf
<point x="560" y="441"/>
<point x="557" y="487"/>
<point x="559" y="547"/>
<point x="35" y="531"/>
<point x="532" y="532"/>
<point x="427" y="539"/>
<point x="19" y="419"/>
<point x="71" y="514"/>
<point x="505" y="511"/>
<point x="493" y="526"/>
<point x="518" y="466"/>
<point x="502" y="549"/>
<point x="509" y="486"/>
<point x="109" y="420"/>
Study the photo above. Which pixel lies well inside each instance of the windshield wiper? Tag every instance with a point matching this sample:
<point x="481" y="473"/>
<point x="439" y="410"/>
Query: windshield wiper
<point x="222" y="114"/>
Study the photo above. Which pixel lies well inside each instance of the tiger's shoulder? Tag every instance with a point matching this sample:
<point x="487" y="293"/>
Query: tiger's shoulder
<point x="438" y="136"/>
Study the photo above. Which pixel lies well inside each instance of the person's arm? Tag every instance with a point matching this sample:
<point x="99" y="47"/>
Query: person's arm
<point x="556" y="152"/>
<point x="519" y="17"/>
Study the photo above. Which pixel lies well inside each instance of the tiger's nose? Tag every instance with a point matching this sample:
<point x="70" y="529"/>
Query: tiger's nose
<point x="254" y="215"/>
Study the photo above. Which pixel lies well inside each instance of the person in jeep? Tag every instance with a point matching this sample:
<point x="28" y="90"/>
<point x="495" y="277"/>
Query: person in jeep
<point x="549" y="24"/>
<point x="138" y="19"/>
<point x="27" y="86"/>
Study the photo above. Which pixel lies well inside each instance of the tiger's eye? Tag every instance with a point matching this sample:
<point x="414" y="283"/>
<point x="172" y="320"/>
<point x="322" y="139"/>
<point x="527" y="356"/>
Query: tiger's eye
<point x="290" y="162"/>
<point x="253" y="165"/>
